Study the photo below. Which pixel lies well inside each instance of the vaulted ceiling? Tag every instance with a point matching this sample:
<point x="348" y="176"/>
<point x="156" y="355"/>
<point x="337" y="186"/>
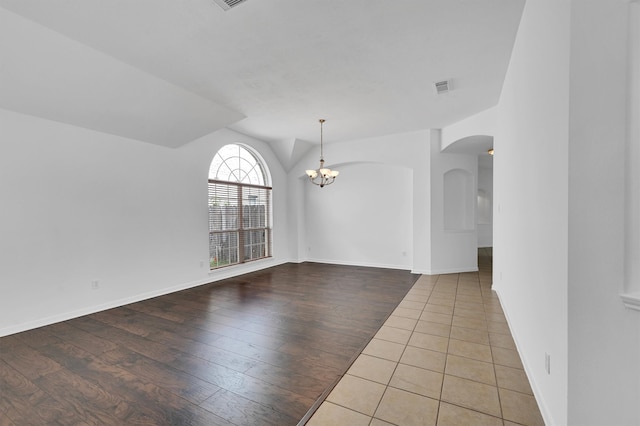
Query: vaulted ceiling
<point x="170" y="71"/>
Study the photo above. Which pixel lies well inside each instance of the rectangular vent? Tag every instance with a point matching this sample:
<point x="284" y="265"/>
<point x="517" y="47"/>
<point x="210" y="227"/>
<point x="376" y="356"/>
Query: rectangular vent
<point x="228" y="4"/>
<point x="442" y="86"/>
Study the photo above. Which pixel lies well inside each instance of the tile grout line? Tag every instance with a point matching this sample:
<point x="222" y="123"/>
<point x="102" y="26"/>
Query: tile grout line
<point x="323" y="397"/>
<point x="446" y="359"/>
<point x="468" y="289"/>
<point x="387" y="386"/>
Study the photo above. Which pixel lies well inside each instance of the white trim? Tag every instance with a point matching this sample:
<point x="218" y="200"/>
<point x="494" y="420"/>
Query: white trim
<point x="631" y="300"/>
<point x="363" y="264"/>
<point x="96" y="308"/>
<point x="446" y="271"/>
<point x="244" y="268"/>
<point x="213" y="277"/>
<point x="389" y="266"/>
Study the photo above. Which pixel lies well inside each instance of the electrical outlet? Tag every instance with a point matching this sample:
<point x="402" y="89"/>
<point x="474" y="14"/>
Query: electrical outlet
<point x="547" y="363"/>
<point x="95" y="285"/>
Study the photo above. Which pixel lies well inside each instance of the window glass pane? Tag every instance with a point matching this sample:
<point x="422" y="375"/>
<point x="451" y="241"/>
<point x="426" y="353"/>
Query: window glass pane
<point x="223" y="249"/>
<point x="255" y="208"/>
<point x="234" y="163"/>
<point x="223" y="207"/>
<point x="255" y="244"/>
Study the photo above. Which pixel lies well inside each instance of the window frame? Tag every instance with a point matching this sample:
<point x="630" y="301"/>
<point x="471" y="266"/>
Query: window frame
<point x="242" y="213"/>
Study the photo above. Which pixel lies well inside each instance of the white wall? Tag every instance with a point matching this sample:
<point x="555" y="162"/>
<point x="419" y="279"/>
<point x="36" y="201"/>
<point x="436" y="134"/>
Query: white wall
<point x="632" y="193"/>
<point x="604" y="346"/>
<point x="453" y="248"/>
<point x="364" y="218"/>
<point x="79" y="206"/>
<point x="331" y="222"/>
<point x="408" y="228"/>
<point x="474" y="135"/>
<point x="530" y="200"/>
<point x="485" y="221"/>
<point x="559" y="211"/>
<point x="483" y="123"/>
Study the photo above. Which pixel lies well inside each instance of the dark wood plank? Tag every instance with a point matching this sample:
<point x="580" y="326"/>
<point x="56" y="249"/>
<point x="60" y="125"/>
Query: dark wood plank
<point x="178" y="382"/>
<point x="87" y="341"/>
<point x="126" y="339"/>
<point x="152" y="404"/>
<point x="162" y="309"/>
<point x="21" y="400"/>
<point x="5" y="421"/>
<point x="271" y="396"/>
<point x="256" y="349"/>
<point x="305" y="385"/>
<point x="243" y="411"/>
<point x="26" y="360"/>
<point x="205" y="351"/>
<point x="88" y="403"/>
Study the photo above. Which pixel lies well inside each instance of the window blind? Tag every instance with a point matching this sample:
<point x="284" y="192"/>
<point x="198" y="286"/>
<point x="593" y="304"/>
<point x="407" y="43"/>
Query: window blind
<point x="239" y="223"/>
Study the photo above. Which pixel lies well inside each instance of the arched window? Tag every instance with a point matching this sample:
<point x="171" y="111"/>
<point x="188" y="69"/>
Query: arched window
<point x="239" y="208"/>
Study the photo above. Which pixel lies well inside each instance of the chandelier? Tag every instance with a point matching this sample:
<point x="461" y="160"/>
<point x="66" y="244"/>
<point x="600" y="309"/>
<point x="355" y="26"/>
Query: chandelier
<point x="322" y="176"/>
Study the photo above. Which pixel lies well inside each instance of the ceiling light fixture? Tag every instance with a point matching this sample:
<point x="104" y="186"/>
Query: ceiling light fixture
<point x="326" y="176"/>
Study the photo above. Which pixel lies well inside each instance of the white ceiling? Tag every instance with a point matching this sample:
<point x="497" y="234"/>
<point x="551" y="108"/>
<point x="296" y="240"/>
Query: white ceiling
<point x="169" y="71"/>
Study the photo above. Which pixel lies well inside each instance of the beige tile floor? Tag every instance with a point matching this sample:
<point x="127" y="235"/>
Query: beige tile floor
<point x="444" y="357"/>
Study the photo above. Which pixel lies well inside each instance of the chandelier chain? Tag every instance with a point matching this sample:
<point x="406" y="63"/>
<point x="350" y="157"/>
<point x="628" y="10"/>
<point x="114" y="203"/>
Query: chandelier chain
<point x="321" y="143"/>
<point x="322" y="176"/>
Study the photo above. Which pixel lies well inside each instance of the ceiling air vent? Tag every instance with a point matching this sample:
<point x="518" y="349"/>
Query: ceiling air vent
<point x="442" y="86"/>
<point x="228" y="4"/>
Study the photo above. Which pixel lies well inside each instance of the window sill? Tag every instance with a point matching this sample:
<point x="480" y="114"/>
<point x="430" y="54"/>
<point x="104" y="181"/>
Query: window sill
<point x="631" y="300"/>
<point x="241" y="266"/>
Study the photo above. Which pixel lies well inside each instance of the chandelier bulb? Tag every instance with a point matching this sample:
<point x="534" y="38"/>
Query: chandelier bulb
<point x="322" y="176"/>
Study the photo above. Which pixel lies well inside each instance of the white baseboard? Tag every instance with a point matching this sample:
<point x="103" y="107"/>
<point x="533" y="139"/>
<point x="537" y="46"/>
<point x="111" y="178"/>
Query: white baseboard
<point x="544" y="411"/>
<point x="363" y="264"/>
<point x="214" y="276"/>
<point x="445" y="271"/>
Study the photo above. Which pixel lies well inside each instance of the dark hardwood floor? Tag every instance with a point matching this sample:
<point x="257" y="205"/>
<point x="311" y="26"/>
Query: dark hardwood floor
<point x="259" y="349"/>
